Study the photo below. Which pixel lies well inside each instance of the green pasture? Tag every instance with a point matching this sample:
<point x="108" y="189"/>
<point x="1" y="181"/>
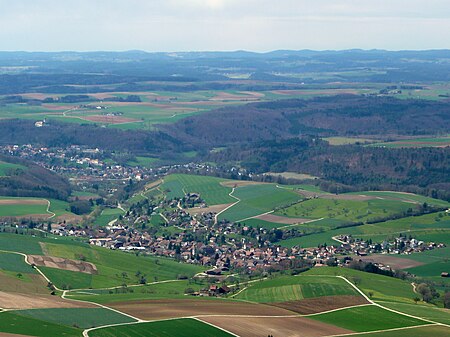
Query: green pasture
<point x="14" y="263"/>
<point x="174" y="289"/>
<point x="367" y="318"/>
<point x="17" y="324"/>
<point x="405" y="197"/>
<point x="380" y="287"/>
<point x="258" y="199"/>
<point x="107" y="215"/>
<point x="177" y="185"/>
<point x="423" y="310"/>
<point x="347" y="210"/>
<point x="436" y="261"/>
<point x="170" y="328"/>
<point x="114" y="267"/>
<point x="7" y="168"/>
<point x="293" y="288"/>
<point x="416" y="142"/>
<point x="425" y="331"/>
<point x="77" y="317"/>
<point x="147" y="162"/>
<point x="18" y="209"/>
<point x="20" y="243"/>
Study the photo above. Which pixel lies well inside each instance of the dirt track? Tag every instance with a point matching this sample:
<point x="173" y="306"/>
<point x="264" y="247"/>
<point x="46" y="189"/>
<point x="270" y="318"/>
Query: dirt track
<point x="162" y="309"/>
<point x="320" y="304"/>
<point x="278" y="327"/>
<point x="60" y="263"/>
<point x="31" y="301"/>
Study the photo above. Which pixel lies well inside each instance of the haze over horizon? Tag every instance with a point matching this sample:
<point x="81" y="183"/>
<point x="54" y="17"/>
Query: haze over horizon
<point x="223" y="25"/>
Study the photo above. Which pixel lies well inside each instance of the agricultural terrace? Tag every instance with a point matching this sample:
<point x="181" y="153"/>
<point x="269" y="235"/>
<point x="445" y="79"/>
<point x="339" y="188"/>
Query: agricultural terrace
<point x="7" y="168"/>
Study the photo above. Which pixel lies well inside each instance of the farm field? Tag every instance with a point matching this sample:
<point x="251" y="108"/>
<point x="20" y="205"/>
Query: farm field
<point x="416" y="142"/>
<point x="292" y="288"/>
<point x="426" y="331"/>
<point x="356" y="319"/>
<point x="17" y="324"/>
<point x="346" y="210"/>
<point x="107" y="215"/>
<point x="77" y="317"/>
<point x="210" y="188"/>
<point x="347" y="140"/>
<point x="14" y="263"/>
<point x="258" y="199"/>
<point x="382" y="288"/>
<point x="36" y="207"/>
<point x="430" y="312"/>
<point x="172" y="328"/>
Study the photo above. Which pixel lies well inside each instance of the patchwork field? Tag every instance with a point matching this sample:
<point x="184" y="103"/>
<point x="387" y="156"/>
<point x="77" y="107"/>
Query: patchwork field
<point x="292" y="288"/>
<point x="173" y="308"/>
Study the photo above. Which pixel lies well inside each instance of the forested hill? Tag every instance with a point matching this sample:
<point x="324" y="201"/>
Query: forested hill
<point x="325" y="116"/>
<point x="420" y="170"/>
<point x="27" y="179"/>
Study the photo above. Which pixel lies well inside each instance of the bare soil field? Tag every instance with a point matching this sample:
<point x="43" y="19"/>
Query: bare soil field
<point x="31" y="301"/>
<point x="321" y="304"/>
<point x="245" y="96"/>
<point x="394" y="262"/>
<point x="315" y="92"/>
<point x="109" y="119"/>
<point x="60" y="263"/>
<point x="240" y="183"/>
<point x="23" y="202"/>
<point x="171" y="308"/>
<point x="281" y="219"/>
<point x="276" y="326"/>
<point x="213" y="209"/>
<point x="37" y="284"/>
<point x="55" y="107"/>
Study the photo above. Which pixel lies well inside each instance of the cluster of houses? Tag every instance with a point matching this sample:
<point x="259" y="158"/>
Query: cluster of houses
<point x="399" y="245"/>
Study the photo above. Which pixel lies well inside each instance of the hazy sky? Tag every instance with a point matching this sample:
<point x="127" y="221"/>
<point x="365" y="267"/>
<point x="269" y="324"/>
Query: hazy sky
<point x="258" y="25"/>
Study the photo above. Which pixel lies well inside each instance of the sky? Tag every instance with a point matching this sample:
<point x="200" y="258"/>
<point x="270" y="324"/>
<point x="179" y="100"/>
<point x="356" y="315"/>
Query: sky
<point x="206" y="25"/>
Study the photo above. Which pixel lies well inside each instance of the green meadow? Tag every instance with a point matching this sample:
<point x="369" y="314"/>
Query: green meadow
<point x="170" y="328"/>
<point x="7" y="168"/>
<point x="367" y="318"/>
<point x="77" y="317"/>
<point x="258" y="199"/>
<point x="293" y="288"/>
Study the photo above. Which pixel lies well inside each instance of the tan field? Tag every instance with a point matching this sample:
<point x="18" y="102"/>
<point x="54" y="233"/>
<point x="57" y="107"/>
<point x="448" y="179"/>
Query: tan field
<point x="276" y="326"/>
<point x="109" y="119"/>
<point x="23" y="202"/>
<point x="65" y="264"/>
<point x="392" y="261"/>
<point x="321" y="304"/>
<point x="29" y="301"/>
<point x="163" y="309"/>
